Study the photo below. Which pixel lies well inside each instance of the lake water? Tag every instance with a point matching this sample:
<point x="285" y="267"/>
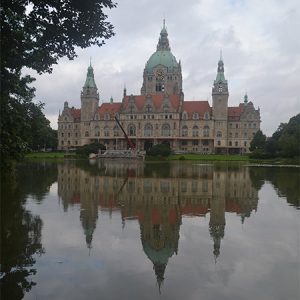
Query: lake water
<point x="135" y="230"/>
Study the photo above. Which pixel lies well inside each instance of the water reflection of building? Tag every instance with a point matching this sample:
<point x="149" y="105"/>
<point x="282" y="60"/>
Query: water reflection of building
<point x="157" y="196"/>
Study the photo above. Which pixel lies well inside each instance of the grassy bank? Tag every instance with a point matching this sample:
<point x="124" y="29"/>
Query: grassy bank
<point x="45" y="155"/>
<point x="195" y="157"/>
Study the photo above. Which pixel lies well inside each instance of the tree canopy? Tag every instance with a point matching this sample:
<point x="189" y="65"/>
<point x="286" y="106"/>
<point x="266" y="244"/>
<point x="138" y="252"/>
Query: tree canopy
<point x="36" y="34"/>
<point x="284" y="142"/>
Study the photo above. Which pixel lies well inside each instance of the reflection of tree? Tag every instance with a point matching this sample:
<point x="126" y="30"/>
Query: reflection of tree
<point x="37" y="177"/>
<point x="20" y="240"/>
<point x="285" y="181"/>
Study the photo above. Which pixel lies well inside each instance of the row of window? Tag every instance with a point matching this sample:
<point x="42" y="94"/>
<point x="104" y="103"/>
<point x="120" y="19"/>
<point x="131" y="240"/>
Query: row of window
<point x="68" y="143"/>
<point x="235" y="144"/>
<point x="69" y="134"/>
<point x="166" y="108"/>
<point x="148" y="130"/>
<point x="246" y="125"/>
<point x="69" y="126"/>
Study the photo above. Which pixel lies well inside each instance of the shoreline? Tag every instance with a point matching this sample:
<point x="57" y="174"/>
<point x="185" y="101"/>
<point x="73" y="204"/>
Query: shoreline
<point x="186" y="157"/>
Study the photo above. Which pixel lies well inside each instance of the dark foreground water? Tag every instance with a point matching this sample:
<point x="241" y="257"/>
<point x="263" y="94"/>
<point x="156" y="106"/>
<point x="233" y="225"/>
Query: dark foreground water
<point x="115" y="230"/>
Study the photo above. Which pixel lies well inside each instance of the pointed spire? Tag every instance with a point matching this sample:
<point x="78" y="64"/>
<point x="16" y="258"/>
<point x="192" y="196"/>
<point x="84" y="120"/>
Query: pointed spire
<point x="90" y="81"/>
<point x="220" y="72"/>
<point x="163" y="42"/>
<point x="246" y="98"/>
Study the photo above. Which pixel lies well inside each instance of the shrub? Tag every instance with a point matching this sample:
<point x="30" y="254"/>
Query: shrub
<point x="160" y="150"/>
<point x="86" y="150"/>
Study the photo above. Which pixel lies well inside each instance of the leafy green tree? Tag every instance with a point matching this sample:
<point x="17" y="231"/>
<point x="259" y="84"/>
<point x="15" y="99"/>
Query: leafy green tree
<point x="289" y="140"/>
<point x="258" y="142"/>
<point x="86" y="150"/>
<point x="36" y="34"/>
<point x="160" y="150"/>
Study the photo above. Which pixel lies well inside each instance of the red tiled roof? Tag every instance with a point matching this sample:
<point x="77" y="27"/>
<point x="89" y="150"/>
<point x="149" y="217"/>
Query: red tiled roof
<point x="234" y="113"/>
<point x="76" y="113"/>
<point x="194" y="210"/>
<point x="199" y="107"/>
<point x="233" y="207"/>
<point x="110" y="108"/>
<point x="157" y="100"/>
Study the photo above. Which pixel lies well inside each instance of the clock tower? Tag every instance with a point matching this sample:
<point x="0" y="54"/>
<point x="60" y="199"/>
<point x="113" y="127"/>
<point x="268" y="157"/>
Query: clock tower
<point x="220" y="96"/>
<point x="162" y="73"/>
<point x="89" y="97"/>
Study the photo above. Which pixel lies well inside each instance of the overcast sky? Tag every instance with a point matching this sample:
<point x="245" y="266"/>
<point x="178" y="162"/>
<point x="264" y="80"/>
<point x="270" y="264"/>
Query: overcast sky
<point x="259" y="41"/>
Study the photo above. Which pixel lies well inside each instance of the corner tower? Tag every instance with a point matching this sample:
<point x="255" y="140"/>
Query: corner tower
<point x="162" y="73"/>
<point x="89" y="96"/>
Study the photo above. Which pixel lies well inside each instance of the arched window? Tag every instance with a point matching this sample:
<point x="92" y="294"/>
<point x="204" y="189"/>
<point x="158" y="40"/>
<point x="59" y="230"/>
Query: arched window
<point x="106" y="131"/>
<point x="106" y="116"/>
<point x="184" y="130"/>
<point x="131" y="130"/>
<point x="159" y="86"/>
<point x="86" y="133"/>
<point x="165" y="130"/>
<point x="148" y="108"/>
<point x="206" y="116"/>
<point x="206" y="131"/>
<point x="195" y="116"/>
<point x="148" y="130"/>
<point x="230" y="143"/>
<point x="116" y="130"/>
<point x="195" y="131"/>
<point x="184" y="115"/>
<point x="219" y="134"/>
<point x="219" y="143"/>
<point x="97" y="131"/>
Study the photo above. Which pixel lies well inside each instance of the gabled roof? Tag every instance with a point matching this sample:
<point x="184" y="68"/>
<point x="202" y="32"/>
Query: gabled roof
<point x="110" y="108"/>
<point x="75" y="113"/>
<point x="234" y="113"/>
<point x="157" y="101"/>
<point x="200" y="107"/>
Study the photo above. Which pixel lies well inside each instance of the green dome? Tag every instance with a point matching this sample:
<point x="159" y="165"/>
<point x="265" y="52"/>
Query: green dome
<point x="158" y="256"/>
<point x="161" y="57"/>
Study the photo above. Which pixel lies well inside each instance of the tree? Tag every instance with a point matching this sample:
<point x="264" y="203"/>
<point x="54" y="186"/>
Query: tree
<point x="35" y="34"/>
<point x="86" y="150"/>
<point x="160" y="150"/>
<point x="258" y="142"/>
<point x="289" y="140"/>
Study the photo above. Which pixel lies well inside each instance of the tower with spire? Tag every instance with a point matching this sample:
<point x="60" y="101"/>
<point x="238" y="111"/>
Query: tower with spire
<point x="162" y="73"/>
<point x="89" y="96"/>
<point x="220" y="96"/>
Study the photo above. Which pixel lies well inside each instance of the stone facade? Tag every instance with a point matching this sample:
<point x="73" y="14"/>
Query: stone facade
<point x="161" y="114"/>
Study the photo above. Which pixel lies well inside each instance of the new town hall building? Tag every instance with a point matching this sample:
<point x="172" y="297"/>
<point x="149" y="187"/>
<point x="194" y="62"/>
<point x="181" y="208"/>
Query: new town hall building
<point x="160" y="114"/>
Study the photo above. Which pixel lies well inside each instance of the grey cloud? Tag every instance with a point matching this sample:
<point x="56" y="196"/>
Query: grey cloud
<point x="260" y="52"/>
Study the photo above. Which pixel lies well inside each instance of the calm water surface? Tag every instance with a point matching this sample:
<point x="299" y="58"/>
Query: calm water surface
<point x="129" y="230"/>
